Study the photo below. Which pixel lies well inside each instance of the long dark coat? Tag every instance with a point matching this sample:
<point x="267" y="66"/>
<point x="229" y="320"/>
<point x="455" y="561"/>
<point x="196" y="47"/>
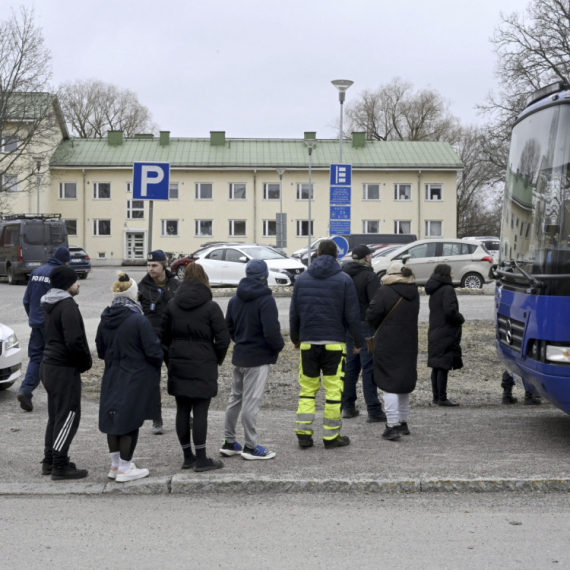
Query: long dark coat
<point x="396" y="343"/>
<point x="130" y="390"/>
<point x="194" y="331"/>
<point x="445" y="320"/>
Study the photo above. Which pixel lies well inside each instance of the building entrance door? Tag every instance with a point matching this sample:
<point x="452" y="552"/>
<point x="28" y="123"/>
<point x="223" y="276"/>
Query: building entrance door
<point x="135" y="242"/>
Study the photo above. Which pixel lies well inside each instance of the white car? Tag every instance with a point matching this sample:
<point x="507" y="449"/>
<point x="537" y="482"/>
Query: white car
<point x="10" y="357"/>
<point x="225" y="264"/>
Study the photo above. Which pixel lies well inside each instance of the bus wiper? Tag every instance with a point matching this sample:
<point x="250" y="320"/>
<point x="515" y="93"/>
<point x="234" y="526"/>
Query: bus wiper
<point x="514" y="263"/>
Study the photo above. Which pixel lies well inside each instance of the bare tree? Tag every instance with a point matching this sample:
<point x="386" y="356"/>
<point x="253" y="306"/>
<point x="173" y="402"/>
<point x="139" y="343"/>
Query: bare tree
<point x="395" y="111"/>
<point x="28" y="113"/>
<point x="93" y="107"/>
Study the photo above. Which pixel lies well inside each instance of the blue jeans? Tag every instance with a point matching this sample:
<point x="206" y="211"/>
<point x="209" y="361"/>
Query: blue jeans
<point x="354" y="364"/>
<point x="35" y="353"/>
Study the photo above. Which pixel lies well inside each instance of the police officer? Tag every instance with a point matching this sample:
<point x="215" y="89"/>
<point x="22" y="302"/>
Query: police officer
<point x="156" y="289"/>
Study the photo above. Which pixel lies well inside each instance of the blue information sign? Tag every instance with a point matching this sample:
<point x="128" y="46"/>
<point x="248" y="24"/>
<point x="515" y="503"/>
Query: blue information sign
<point x="151" y="180"/>
<point x="340" y="195"/>
<point x="341" y="244"/>
<point x="340" y="227"/>
<point x="341" y="174"/>
<point x="340" y="213"/>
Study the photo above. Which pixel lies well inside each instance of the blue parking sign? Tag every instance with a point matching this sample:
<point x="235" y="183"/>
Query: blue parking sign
<point x="341" y="174"/>
<point x="151" y="180"/>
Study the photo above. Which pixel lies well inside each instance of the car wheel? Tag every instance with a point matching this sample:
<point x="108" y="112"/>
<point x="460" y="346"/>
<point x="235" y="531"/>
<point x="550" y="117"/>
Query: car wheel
<point x="10" y="275"/>
<point x="83" y="276"/>
<point x="180" y="272"/>
<point x="472" y="281"/>
<point x="6" y="385"/>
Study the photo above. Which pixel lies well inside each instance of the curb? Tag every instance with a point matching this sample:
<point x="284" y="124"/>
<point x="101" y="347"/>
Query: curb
<point x="188" y="485"/>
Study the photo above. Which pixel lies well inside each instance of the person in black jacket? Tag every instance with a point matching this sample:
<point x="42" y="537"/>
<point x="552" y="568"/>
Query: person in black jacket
<point x="194" y="331"/>
<point x="393" y="313"/>
<point x="367" y="283"/>
<point x="156" y="290"/>
<point x="66" y="356"/>
<point x="253" y="324"/>
<point x="323" y="306"/>
<point x="444" y="335"/>
<point x="131" y="381"/>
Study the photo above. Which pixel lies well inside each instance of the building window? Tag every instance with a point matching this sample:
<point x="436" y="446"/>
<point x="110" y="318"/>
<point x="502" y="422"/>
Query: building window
<point x="303" y="228"/>
<point x="173" y="191"/>
<point x="129" y="187"/>
<point x="370" y="226"/>
<point x="237" y="191"/>
<point x="303" y="191"/>
<point x="101" y="190"/>
<point x="403" y="192"/>
<point x="169" y="228"/>
<point x="71" y="227"/>
<point x="203" y="191"/>
<point x="433" y="228"/>
<point x="269" y="228"/>
<point x="10" y="144"/>
<point x="402" y="227"/>
<point x="10" y="183"/>
<point x="101" y="227"/>
<point x="204" y="228"/>
<point x="434" y="192"/>
<point x="371" y="191"/>
<point x="67" y="191"/>
<point x="101" y="255"/>
<point x="237" y="228"/>
<point x="271" y="191"/>
<point x="135" y="209"/>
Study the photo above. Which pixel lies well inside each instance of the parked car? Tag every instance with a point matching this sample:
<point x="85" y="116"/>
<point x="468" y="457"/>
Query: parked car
<point x="470" y="261"/>
<point x="374" y="247"/>
<point x="491" y="244"/>
<point x="80" y="261"/>
<point x="225" y="264"/>
<point x="10" y="357"/>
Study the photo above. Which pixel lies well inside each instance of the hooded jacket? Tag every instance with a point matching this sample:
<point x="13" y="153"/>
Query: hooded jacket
<point x="253" y="324"/>
<point x="396" y="341"/>
<point x="154" y="299"/>
<point x="194" y="331"/>
<point x="130" y="390"/>
<point x="324" y="305"/>
<point x="66" y="342"/>
<point x="38" y="285"/>
<point x="366" y="282"/>
<point x="445" y="320"/>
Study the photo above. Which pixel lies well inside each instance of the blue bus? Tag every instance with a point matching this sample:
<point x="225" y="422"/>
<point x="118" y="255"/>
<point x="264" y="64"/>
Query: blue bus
<point x="532" y="299"/>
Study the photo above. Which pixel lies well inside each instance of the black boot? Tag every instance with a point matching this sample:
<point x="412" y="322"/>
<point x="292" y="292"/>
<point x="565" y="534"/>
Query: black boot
<point x="508" y="397"/>
<point x="531" y="400"/>
<point x="67" y="471"/>
<point x="305" y="440"/>
<point x="47" y="464"/>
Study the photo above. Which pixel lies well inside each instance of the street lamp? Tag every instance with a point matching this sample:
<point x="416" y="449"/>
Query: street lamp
<point x="342" y="85"/>
<point x="310" y="144"/>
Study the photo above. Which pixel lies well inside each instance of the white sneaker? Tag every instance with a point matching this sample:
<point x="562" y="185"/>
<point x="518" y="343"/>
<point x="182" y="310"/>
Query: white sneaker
<point x="132" y="474"/>
<point x="113" y="473"/>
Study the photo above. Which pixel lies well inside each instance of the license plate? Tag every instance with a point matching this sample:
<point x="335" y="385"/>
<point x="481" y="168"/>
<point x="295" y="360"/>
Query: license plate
<point x="76" y="260"/>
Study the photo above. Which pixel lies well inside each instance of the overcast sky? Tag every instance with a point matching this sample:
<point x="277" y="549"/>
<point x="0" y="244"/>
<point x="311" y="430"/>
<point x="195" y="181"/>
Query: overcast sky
<point x="262" y="68"/>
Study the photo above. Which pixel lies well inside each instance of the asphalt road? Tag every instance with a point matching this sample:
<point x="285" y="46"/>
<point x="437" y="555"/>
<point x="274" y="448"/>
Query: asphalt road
<point x="504" y="531"/>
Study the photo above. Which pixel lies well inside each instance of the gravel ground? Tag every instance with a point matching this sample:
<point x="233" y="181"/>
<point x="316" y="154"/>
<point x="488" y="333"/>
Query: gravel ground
<point x="477" y="384"/>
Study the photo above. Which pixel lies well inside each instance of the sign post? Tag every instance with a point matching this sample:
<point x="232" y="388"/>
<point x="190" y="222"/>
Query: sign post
<point x="340" y="198"/>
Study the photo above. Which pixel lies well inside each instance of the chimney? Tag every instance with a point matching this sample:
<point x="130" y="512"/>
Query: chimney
<point x="217" y="138"/>
<point x="144" y="136"/>
<point x="310" y="136"/>
<point x="164" y="138"/>
<point x="358" y="140"/>
<point x="115" y="138"/>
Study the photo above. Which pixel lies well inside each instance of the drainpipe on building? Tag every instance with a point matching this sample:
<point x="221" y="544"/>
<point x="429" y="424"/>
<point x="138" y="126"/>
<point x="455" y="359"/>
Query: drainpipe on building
<point x="254" y="206"/>
<point x="419" y="205"/>
<point x="84" y="211"/>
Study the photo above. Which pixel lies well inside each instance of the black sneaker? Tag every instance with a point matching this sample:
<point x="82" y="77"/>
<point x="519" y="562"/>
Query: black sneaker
<point x="229" y="449"/>
<point x="189" y="462"/>
<point x="532" y="400"/>
<point x="447" y="403"/>
<point x="340" y="441"/>
<point x="208" y="465"/>
<point x="391" y="433"/>
<point x="305" y="440"/>
<point x="46" y="466"/>
<point x="374" y="418"/>
<point x="404" y="429"/>
<point x="348" y="413"/>
<point x="157" y="428"/>
<point x="509" y="399"/>
<point x="68" y="471"/>
<point x="25" y="402"/>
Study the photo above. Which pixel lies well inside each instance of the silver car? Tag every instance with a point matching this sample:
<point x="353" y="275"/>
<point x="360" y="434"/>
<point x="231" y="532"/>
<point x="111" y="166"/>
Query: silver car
<point x="470" y="262"/>
<point x="10" y="357"/>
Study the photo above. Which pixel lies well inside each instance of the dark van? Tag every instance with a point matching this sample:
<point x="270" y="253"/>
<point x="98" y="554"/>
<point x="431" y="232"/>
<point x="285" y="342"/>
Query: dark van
<point x="28" y="241"/>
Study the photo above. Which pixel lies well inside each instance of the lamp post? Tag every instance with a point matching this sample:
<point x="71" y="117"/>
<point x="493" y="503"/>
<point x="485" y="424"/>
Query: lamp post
<point x="38" y="166"/>
<point x="281" y="242"/>
<point x="342" y="85"/>
<point x="310" y="144"/>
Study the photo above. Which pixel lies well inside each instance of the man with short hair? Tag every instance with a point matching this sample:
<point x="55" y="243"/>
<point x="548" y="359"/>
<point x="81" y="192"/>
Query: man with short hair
<point x="38" y="285"/>
<point x="156" y="290"/>
<point x="66" y="356"/>
<point x="366" y="282"/>
<point x="323" y="305"/>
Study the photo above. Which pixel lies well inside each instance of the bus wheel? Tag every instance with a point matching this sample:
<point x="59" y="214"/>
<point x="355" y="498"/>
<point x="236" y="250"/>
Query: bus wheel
<point x="472" y="281"/>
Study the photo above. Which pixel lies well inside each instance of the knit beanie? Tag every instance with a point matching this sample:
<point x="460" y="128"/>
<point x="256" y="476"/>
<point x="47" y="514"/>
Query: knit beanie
<point x="62" y="277"/>
<point x="395" y="267"/>
<point x="125" y="287"/>
<point x="62" y="254"/>
<point x="257" y="269"/>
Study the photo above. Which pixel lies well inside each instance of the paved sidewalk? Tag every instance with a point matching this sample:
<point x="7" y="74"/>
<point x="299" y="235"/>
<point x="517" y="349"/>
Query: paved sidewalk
<point x="493" y="448"/>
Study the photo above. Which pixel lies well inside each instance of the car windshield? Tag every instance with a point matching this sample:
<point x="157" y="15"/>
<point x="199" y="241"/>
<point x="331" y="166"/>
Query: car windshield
<point x="385" y="251"/>
<point x="261" y="253"/>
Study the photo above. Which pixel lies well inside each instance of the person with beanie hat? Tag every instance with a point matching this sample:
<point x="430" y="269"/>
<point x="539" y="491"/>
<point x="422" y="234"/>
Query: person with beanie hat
<point x="130" y="388"/>
<point x="38" y="285"/>
<point x="66" y="356"/>
<point x="253" y="324"/>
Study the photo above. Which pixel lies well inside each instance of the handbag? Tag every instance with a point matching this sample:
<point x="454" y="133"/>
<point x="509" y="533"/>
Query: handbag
<point x="370" y="339"/>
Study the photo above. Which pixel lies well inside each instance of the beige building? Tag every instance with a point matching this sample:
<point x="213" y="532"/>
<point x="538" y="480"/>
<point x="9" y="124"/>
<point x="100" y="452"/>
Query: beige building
<point x="229" y="190"/>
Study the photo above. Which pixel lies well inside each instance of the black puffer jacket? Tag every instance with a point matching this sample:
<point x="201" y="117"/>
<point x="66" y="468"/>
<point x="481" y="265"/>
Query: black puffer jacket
<point x="445" y="320"/>
<point x="154" y="299"/>
<point x="194" y="331"/>
<point x="396" y="343"/>
<point x="366" y="282"/>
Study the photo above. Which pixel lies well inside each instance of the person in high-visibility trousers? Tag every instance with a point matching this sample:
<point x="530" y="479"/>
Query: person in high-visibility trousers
<point x="324" y="305"/>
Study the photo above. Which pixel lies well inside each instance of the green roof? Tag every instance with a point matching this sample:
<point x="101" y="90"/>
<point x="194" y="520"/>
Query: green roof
<point x="256" y="153"/>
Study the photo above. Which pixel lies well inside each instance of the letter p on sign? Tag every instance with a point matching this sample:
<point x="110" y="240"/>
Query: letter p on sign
<point x="151" y="180"/>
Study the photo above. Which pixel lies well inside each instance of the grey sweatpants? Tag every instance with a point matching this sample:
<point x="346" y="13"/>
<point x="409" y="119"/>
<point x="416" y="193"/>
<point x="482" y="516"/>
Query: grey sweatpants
<point x="246" y="395"/>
